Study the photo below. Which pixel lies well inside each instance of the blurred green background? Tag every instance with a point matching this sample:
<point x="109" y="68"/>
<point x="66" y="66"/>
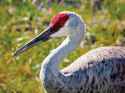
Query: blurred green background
<point x="21" y="20"/>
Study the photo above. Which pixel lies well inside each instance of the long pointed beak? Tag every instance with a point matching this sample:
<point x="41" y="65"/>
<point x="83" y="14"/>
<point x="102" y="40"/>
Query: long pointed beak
<point x="44" y="36"/>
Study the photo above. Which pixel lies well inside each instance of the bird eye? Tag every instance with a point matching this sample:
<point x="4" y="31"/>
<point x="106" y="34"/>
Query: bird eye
<point x="58" y="21"/>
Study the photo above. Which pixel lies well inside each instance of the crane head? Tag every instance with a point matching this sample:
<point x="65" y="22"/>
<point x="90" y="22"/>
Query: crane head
<point x="60" y="25"/>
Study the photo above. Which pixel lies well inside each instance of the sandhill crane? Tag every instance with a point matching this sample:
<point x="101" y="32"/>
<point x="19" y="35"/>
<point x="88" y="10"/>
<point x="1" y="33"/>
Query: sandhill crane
<point x="101" y="70"/>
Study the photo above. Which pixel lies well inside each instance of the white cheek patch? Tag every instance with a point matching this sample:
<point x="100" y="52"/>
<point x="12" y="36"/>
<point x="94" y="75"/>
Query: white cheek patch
<point x="61" y="33"/>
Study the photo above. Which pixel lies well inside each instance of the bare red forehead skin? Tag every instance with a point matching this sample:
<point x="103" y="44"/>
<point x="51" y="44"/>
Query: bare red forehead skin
<point x="58" y="21"/>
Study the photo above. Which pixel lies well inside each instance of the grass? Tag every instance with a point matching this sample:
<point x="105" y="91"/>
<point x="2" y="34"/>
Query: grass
<point x="21" y="21"/>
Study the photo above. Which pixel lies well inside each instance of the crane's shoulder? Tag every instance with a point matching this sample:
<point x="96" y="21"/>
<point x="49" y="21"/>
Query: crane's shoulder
<point x="106" y="53"/>
<point x="102" y="67"/>
<point x="112" y="55"/>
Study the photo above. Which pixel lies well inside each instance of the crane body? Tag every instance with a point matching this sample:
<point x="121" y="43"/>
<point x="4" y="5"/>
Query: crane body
<point x="101" y="70"/>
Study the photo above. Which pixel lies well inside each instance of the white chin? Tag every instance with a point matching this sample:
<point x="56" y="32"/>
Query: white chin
<point x="61" y="33"/>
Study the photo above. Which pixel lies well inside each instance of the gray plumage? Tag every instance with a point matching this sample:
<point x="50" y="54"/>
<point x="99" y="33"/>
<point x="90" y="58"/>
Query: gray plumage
<point x="99" y="71"/>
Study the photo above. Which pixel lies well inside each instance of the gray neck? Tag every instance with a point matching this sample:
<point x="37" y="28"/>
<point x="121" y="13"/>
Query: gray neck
<point x="49" y="68"/>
